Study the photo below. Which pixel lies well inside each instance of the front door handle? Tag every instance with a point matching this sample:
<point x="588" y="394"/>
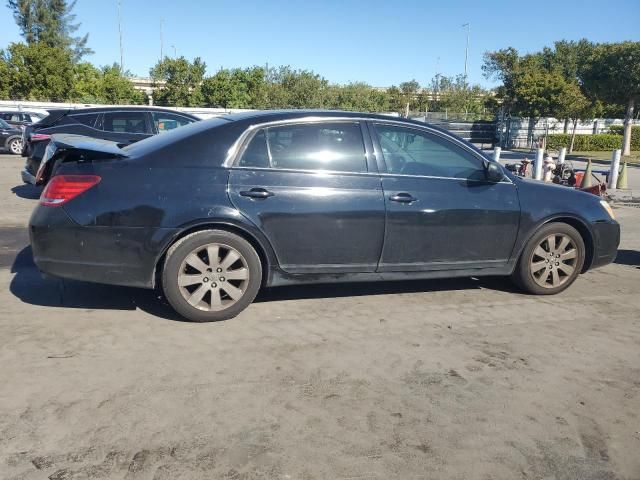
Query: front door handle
<point x="402" y="197"/>
<point x="257" y="193"/>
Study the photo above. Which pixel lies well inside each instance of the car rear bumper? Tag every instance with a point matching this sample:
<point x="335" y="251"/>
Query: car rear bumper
<point x="606" y="239"/>
<point x="119" y="256"/>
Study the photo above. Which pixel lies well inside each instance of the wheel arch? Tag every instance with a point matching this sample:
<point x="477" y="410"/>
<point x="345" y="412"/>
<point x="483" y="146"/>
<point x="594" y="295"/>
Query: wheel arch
<point x="9" y="139"/>
<point x="264" y="251"/>
<point x="576" y="222"/>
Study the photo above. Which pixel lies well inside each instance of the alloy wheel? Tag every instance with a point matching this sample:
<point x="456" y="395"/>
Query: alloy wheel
<point x="553" y="261"/>
<point x="16" y="146"/>
<point x="213" y="277"/>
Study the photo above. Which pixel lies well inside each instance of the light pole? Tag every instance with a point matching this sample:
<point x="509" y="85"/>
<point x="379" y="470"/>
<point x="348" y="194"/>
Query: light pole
<point x="120" y="35"/>
<point x="466" y="51"/>
<point x="161" y="40"/>
<point x="175" y="52"/>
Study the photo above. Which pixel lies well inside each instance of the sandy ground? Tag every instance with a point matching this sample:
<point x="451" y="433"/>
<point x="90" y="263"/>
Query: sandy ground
<point x="461" y="379"/>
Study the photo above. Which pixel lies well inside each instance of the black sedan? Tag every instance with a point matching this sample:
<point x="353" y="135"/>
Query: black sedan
<point x="10" y="137"/>
<point x="123" y="125"/>
<point x="214" y="211"/>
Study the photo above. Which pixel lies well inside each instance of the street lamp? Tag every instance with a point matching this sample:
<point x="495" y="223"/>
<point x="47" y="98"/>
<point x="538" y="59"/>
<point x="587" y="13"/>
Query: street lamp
<point x="466" y="51"/>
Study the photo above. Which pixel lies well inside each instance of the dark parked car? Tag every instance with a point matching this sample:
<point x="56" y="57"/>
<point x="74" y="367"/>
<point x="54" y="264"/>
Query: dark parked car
<point x="123" y="125"/>
<point x="215" y="210"/>
<point x="20" y="118"/>
<point x="10" y="137"/>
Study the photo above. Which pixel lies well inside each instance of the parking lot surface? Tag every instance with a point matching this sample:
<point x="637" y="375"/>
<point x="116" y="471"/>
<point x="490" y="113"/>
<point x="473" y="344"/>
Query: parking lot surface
<point x="457" y="379"/>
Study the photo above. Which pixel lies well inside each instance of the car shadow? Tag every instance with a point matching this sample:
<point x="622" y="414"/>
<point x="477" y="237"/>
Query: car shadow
<point x="628" y="257"/>
<point x="31" y="287"/>
<point x="29" y="192"/>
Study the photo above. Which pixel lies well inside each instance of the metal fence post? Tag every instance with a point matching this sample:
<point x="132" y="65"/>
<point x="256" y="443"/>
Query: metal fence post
<point x="615" y="168"/>
<point x="496" y="154"/>
<point x="537" y="166"/>
<point x="563" y="153"/>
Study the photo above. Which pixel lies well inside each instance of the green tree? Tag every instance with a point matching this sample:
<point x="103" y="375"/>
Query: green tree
<point x="396" y="99"/>
<point x="409" y="96"/>
<point x="5" y="79"/>
<point x="455" y="94"/>
<point x="612" y="75"/>
<point x="117" y="88"/>
<point x="39" y="72"/>
<point x="574" y="105"/>
<point x="237" y="88"/>
<point x="501" y="65"/>
<point x="105" y="85"/>
<point x="87" y="84"/>
<point x="178" y="82"/>
<point x="356" y="96"/>
<point x="302" y="88"/>
<point x="50" y="22"/>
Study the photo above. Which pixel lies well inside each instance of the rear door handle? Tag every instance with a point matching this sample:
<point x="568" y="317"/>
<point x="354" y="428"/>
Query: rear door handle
<point x="402" y="197"/>
<point x="257" y="193"/>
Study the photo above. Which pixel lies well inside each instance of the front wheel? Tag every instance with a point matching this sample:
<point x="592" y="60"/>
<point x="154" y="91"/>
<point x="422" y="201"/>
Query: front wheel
<point x="551" y="260"/>
<point x="211" y="275"/>
<point x="15" y="146"/>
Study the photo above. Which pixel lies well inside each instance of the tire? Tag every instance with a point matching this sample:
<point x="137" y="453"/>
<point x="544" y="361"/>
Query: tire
<point x="207" y="290"/>
<point x="14" y="145"/>
<point x="547" y="266"/>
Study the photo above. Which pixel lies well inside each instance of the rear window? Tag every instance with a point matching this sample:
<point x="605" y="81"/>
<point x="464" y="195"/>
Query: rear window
<point x="125" y="122"/>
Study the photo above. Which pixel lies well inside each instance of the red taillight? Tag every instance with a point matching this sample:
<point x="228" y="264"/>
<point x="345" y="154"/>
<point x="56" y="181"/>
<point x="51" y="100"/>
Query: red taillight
<point x="63" y="188"/>
<point x="36" y="137"/>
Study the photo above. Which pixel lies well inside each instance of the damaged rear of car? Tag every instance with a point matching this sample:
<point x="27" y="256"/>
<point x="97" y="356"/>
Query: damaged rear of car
<point x="74" y="148"/>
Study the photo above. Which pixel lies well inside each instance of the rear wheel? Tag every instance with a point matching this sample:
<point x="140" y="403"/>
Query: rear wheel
<point x="15" y="146"/>
<point x="551" y="260"/>
<point x="211" y="275"/>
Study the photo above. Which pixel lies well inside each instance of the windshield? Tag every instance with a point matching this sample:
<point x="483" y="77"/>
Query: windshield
<point x="4" y="124"/>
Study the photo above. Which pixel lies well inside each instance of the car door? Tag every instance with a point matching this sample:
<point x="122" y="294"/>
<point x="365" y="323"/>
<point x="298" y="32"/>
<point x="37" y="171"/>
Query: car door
<point x="442" y="213"/>
<point x="315" y="193"/>
<point x="125" y="126"/>
<point x="5" y="132"/>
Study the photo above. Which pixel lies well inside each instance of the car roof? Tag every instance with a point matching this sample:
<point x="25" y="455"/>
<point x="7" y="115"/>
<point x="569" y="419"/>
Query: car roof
<point x="140" y="108"/>
<point x="274" y="115"/>
<point x="264" y="116"/>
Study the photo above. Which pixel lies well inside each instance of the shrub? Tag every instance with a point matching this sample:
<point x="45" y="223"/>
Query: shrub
<point x="593" y="143"/>
<point x="635" y="134"/>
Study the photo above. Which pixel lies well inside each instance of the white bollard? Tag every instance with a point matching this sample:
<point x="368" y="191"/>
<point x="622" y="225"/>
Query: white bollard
<point x="561" y="155"/>
<point x="537" y="166"/>
<point x="614" y="170"/>
<point x="496" y="154"/>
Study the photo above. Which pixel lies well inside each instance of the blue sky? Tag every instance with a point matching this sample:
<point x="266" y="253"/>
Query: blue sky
<point x="380" y="42"/>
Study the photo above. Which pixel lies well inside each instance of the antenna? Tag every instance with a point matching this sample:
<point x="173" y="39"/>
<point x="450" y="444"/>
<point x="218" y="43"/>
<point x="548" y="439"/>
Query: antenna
<point x="120" y="33"/>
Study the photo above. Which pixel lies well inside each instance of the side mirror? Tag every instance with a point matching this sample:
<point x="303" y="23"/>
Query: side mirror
<point x="493" y="172"/>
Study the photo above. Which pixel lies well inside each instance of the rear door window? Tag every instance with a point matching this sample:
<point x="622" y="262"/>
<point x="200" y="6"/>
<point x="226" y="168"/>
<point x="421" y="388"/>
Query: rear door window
<point x="336" y="146"/>
<point x="125" y="122"/>
<point x="168" y="121"/>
